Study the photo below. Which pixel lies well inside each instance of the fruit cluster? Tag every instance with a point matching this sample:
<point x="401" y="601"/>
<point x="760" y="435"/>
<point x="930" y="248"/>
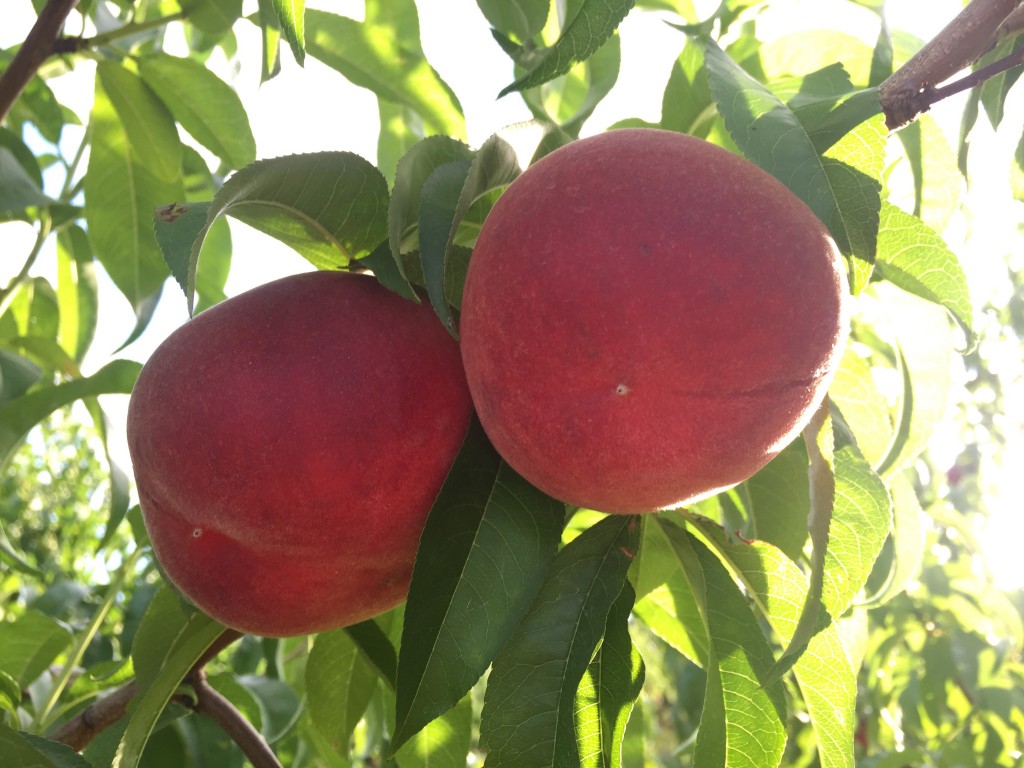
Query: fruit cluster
<point x="647" y="319"/>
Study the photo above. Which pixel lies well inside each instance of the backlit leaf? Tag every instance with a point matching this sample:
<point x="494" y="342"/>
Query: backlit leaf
<point x="742" y="722"/>
<point x="915" y="258"/>
<point x="122" y="188"/>
<point x="206" y="106"/>
<point x="527" y="720"/>
<point x="29" y="644"/>
<point x="609" y="689"/>
<point x="23" y="413"/>
<point x="483" y="555"/>
<point x="339" y="683"/>
<point x="582" y="35"/>
<point x="291" y="15"/>
<point x="384" y="55"/>
<point x="331" y="207"/>
<point x="443" y="743"/>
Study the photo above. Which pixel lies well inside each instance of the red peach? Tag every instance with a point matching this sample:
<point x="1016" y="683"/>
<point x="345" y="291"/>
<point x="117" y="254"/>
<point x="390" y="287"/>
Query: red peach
<point x="288" y="444"/>
<point x="648" y="319"/>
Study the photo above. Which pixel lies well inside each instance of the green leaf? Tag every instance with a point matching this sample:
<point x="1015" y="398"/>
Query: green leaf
<point x="384" y="55"/>
<point x="444" y="204"/>
<point x="18" y="190"/>
<point x="842" y="195"/>
<point x="20" y="415"/>
<point x="206" y="106"/>
<point x="906" y="546"/>
<point x="270" y="36"/>
<point x="377" y="649"/>
<point x="860" y="524"/>
<point x="864" y="407"/>
<point x="825" y="676"/>
<point x="399" y="133"/>
<point x="214" y="17"/>
<point x="780" y="502"/>
<point x="165" y="663"/>
<point x="10" y="694"/>
<point x="77" y="295"/>
<point x="411" y="174"/>
<point x="279" y="705"/>
<point x="522" y="18"/>
<point x="665" y="602"/>
<point x="920" y="332"/>
<point x="339" y="683"/>
<point x="329" y="206"/>
<point x="29" y="645"/>
<point x="439" y="199"/>
<point x="26" y="750"/>
<point x="915" y="258"/>
<point x="121" y="190"/>
<point x="528" y="709"/>
<point x="484" y="552"/>
<point x="853" y="166"/>
<point x="581" y="37"/>
<point x="935" y="178"/>
<point x="571" y="99"/>
<point x="291" y="15"/>
<point x="609" y="689"/>
<point x="443" y="743"/>
<point x="120" y="484"/>
<point x="686" y="105"/>
<point x="742" y="721"/>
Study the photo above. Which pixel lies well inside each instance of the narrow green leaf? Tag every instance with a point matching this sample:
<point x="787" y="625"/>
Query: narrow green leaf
<point x="120" y="484"/>
<point x="860" y="524"/>
<point x="399" y="133"/>
<point x="920" y="333"/>
<point x="206" y="106"/>
<point x="214" y="17"/>
<point x="824" y="673"/>
<point x="914" y="257"/>
<point x="864" y="407"/>
<point x="665" y="602"/>
<point x="291" y="15"/>
<point x="780" y="501"/>
<point x="686" y="105"/>
<point x="443" y="743"/>
<point x="376" y="647"/>
<point x="411" y="174"/>
<point x="593" y="24"/>
<point x="25" y="750"/>
<point x="18" y="190"/>
<point x="609" y="690"/>
<point x="522" y="18"/>
<point x="384" y="55"/>
<point x="331" y="207"/>
<point x="77" y="295"/>
<point x="743" y="719"/>
<point x="121" y="191"/>
<point x="20" y="415"/>
<point x="10" y="694"/>
<point x="854" y="167"/>
<point x="770" y="134"/>
<point x="572" y="98"/>
<point x="446" y="198"/>
<point x="484" y="552"/>
<point x="279" y="704"/>
<point x="906" y="543"/>
<point x="527" y="718"/>
<point x="936" y="182"/>
<point x="197" y="634"/>
<point x="439" y="199"/>
<point x="29" y="645"/>
<point x="270" y="36"/>
<point x="339" y="683"/>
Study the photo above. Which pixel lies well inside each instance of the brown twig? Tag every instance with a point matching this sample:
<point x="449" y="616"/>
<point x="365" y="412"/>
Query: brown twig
<point x="212" y="704"/>
<point x="34" y="51"/>
<point x="912" y="89"/>
<point x="80" y="730"/>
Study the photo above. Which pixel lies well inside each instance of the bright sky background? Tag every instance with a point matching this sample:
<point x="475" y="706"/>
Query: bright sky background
<point x="310" y="109"/>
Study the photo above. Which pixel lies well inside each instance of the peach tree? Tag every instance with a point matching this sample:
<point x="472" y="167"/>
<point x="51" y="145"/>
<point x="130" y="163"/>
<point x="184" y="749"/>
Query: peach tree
<point x="830" y="609"/>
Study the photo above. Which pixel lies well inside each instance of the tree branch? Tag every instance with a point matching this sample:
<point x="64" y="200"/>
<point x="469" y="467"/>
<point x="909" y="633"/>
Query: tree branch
<point x="80" y="730"/>
<point x="911" y="90"/>
<point x="33" y="52"/>
<point x="211" y="703"/>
